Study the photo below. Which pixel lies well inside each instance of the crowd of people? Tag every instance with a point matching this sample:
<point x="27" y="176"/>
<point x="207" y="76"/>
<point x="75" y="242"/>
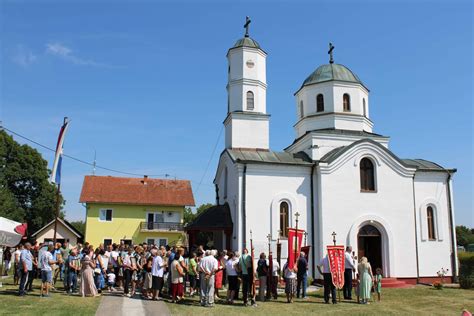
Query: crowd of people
<point x="154" y="272"/>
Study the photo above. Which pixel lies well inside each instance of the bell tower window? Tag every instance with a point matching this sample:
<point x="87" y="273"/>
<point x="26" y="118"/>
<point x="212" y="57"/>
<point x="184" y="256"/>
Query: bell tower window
<point x="320" y="103"/>
<point x="284" y="218"/>
<point x="250" y="101"/>
<point x="367" y="175"/>
<point x="346" y="102"/>
<point x="301" y="109"/>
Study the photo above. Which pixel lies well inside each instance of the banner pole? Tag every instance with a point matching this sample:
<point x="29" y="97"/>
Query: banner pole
<point x="57" y="213"/>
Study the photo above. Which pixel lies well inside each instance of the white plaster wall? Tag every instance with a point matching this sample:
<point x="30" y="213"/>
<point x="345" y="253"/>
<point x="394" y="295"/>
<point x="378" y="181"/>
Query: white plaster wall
<point x="247" y="132"/>
<point x="233" y="190"/>
<point x="333" y="92"/>
<point x="267" y="186"/>
<point x="431" y="190"/>
<point x="343" y="208"/>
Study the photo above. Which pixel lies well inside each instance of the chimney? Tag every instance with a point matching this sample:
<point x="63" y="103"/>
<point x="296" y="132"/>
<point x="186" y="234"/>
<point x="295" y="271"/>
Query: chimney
<point x="145" y="178"/>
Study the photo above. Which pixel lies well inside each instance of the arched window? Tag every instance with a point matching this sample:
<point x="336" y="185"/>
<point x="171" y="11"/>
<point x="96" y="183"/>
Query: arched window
<point x="364" y="107"/>
<point x="320" y="103"/>
<point x="284" y="218"/>
<point x="301" y="109"/>
<point x="346" y="102"/>
<point x="431" y="223"/>
<point x="250" y="101"/>
<point x="226" y="180"/>
<point x="367" y="175"/>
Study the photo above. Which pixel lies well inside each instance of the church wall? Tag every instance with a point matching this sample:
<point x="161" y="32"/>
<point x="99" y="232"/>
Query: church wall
<point x="267" y="186"/>
<point x="345" y="209"/>
<point x="233" y="190"/>
<point x="247" y="133"/>
<point x="431" y="190"/>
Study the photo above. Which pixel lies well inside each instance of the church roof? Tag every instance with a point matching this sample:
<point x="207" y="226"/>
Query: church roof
<point x="425" y="165"/>
<point x="266" y="156"/>
<point x="246" y="42"/>
<point x="215" y="217"/>
<point x="331" y="72"/>
<point x="334" y="131"/>
<point x="418" y="164"/>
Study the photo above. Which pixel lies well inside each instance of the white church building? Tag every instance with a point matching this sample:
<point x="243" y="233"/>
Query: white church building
<point x="337" y="174"/>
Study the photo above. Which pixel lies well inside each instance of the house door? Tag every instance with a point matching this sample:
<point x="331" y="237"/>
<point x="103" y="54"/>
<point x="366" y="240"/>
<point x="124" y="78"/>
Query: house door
<point x="369" y="242"/>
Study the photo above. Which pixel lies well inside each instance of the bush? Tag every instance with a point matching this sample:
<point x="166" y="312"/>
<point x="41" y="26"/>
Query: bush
<point x="466" y="269"/>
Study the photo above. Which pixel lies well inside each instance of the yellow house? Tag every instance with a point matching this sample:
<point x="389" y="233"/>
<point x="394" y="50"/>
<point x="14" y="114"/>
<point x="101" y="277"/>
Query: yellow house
<point x="135" y="210"/>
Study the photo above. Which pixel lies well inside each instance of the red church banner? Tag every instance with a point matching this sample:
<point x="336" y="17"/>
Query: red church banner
<point x="295" y="239"/>
<point x="306" y="250"/>
<point x="336" y="264"/>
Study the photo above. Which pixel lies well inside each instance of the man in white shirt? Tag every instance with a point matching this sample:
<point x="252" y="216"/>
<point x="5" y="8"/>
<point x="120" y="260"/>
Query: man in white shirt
<point x="208" y="266"/>
<point x="275" y="280"/>
<point x="349" y="267"/>
<point x="47" y="262"/>
<point x="328" y="285"/>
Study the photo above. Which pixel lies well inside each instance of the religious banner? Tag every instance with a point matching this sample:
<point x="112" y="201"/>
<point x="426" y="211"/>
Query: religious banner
<point x="306" y="250"/>
<point x="295" y="239"/>
<point x="336" y="264"/>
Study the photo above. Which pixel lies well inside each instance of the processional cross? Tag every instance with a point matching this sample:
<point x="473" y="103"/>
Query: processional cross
<point x="331" y="48"/>
<point x="246" y="26"/>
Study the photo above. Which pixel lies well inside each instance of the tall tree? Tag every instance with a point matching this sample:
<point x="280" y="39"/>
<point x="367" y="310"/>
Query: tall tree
<point x="189" y="215"/>
<point x="25" y="191"/>
<point x="80" y="226"/>
<point x="464" y="236"/>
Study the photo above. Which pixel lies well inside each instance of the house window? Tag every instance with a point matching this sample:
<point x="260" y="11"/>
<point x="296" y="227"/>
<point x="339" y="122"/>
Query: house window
<point x="105" y="215"/>
<point x="431" y="224"/>
<point x="346" y="102"/>
<point x="157" y="241"/>
<point x="250" y="101"/>
<point x="150" y="241"/>
<point x="364" y="108"/>
<point x="107" y="242"/>
<point x="301" y="109"/>
<point x="367" y="175"/>
<point x="284" y="218"/>
<point x="320" y="103"/>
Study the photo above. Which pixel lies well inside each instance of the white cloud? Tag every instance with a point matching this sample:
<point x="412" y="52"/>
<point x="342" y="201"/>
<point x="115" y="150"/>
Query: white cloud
<point x="61" y="51"/>
<point x="23" y="56"/>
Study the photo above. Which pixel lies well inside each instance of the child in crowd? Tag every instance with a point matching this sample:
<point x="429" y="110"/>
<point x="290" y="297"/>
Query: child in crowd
<point x="111" y="281"/>
<point x="378" y="282"/>
<point x="355" y="285"/>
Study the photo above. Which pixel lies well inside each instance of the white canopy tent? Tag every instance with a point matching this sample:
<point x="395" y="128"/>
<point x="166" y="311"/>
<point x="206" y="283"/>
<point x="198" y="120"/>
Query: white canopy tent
<point x="11" y="232"/>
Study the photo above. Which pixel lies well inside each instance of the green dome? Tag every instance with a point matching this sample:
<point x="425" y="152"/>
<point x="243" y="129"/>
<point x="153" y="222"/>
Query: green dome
<point x="331" y="72"/>
<point x="246" y="42"/>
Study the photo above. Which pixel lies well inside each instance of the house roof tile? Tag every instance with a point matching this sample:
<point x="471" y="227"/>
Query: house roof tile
<point x="137" y="191"/>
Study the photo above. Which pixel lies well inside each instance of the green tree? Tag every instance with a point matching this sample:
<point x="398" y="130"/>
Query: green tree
<point x="189" y="215"/>
<point x="25" y="191"/>
<point x="464" y="236"/>
<point x="80" y="226"/>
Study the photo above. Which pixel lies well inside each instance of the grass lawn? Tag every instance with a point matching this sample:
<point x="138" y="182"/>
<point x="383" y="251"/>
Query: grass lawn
<point x="32" y="304"/>
<point x="413" y="301"/>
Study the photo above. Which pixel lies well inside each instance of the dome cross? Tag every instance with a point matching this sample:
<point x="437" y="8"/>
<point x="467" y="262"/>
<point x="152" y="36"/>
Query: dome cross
<point x="246" y="26"/>
<point x="331" y="48"/>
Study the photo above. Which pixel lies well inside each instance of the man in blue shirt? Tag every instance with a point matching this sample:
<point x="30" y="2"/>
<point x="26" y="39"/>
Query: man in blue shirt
<point x="302" y="276"/>
<point x="26" y="265"/>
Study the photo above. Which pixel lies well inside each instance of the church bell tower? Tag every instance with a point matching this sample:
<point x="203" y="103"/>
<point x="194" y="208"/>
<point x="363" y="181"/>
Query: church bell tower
<point x="247" y="123"/>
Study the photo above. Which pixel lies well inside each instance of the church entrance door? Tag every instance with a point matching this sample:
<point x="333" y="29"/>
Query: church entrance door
<point x="369" y="242"/>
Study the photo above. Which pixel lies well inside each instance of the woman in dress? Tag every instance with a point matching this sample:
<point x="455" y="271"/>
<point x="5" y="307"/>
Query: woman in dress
<point x="290" y="281"/>
<point x="365" y="280"/>
<point x="87" y="274"/>
<point x="219" y="274"/>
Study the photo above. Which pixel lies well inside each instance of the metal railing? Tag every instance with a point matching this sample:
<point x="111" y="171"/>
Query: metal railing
<point x="161" y="226"/>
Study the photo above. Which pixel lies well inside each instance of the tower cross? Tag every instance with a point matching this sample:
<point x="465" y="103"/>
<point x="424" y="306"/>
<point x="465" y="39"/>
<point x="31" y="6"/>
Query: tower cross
<point x="246" y="26"/>
<point x="331" y="48"/>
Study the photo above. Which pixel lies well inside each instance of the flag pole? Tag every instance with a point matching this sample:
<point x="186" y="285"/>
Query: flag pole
<point x="296" y="236"/>
<point x="56" y="174"/>
<point x="58" y="204"/>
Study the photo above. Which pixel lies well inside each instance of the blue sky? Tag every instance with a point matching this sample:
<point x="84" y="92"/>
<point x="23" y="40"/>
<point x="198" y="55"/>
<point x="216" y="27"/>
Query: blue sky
<point x="144" y="82"/>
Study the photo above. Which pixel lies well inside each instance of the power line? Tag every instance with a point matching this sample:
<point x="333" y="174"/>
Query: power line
<point x="80" y="160"/>
<point x="210" y="159"/>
